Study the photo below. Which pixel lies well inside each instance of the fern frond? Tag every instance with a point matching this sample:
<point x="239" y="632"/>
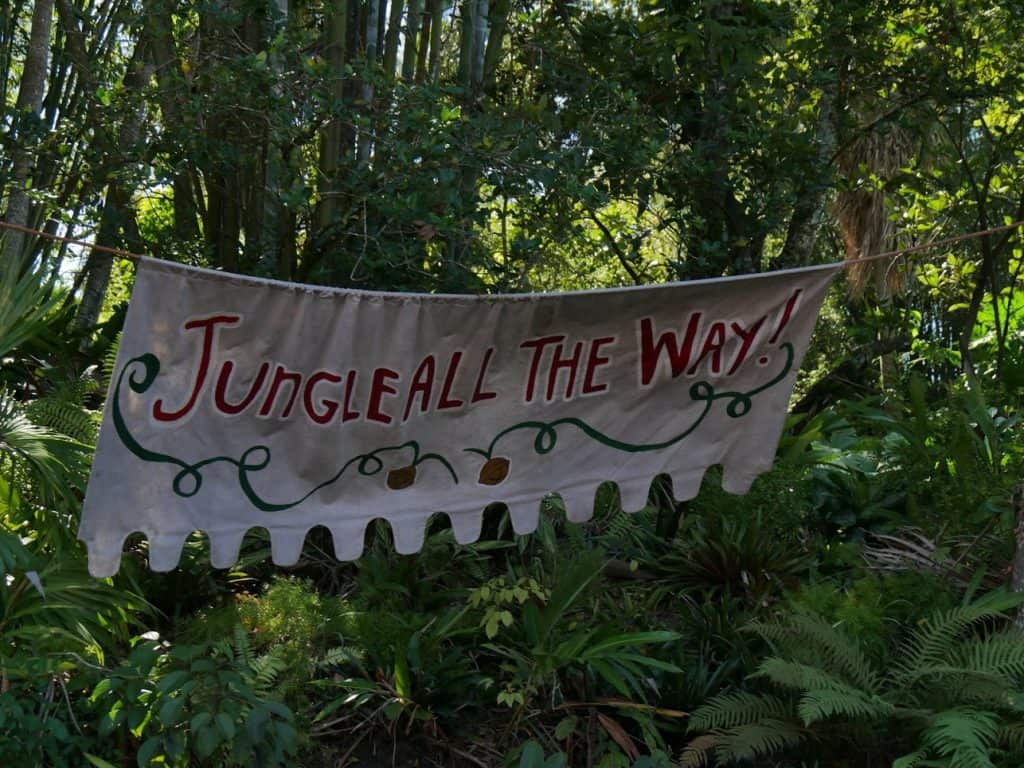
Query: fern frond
<point x="778" y="636"/>
<point x="697" y="754"/>
<point x="985" y="690"/>
<point x="823" y="704"/>
<point x="66" y="417"/>
<point x="268" y="668"/>
<point x="76" y="390"/>
<point x="911" y="760"/>
<point x="1011" y="735"/>
<point x="936" y="641"/>
<point x="342" y="656"/>
<point x="748" y="742"/>
<point x="1000" y="655"/>
<point x="965" y="734"/>
<point x="110" y="361"/>
<point x="241" y="646"/>
<point x="842" y="653"/>
<point x="931" y="685"/>
<point x="812" y="641"/>
<point x="801" y="677"/>
<point x="730" y="710"/>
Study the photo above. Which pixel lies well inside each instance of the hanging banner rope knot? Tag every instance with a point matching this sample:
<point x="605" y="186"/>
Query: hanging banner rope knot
<point x="240" y="403"/>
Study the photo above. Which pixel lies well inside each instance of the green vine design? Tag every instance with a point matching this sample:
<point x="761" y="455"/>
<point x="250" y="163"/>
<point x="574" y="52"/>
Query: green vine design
<point x="189" y="479"/>
<point x="739" y="405"/>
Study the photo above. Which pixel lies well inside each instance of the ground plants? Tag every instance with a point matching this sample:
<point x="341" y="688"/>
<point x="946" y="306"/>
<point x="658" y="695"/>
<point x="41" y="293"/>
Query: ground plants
<point x="946" y="695"/>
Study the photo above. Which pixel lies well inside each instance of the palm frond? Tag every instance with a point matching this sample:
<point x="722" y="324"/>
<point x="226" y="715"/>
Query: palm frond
<point x="26" y="300"/>
<point x="55" y="462"/>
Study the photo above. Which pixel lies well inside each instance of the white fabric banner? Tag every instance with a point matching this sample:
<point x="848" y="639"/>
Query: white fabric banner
<point x="238" y="402"/>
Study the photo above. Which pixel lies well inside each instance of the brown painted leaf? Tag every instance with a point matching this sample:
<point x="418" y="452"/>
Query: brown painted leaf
<point x="494" y="471"/>
<point x="401" y="478"/>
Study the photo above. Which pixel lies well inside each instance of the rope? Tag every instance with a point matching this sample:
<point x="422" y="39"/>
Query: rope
<point x="937" y="243"/>
<point x="874" y="257"/>
<point x="102" y="248"/>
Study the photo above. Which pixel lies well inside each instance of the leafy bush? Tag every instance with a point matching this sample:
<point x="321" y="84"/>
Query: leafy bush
<point x="206" y="705"/>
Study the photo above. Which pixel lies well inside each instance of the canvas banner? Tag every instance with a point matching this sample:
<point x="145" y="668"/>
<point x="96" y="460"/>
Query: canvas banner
<point x="240" y="402"/>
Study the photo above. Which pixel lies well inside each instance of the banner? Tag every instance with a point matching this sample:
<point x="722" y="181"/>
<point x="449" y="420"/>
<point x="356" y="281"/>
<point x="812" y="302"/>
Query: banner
<point x="239" y="402"/>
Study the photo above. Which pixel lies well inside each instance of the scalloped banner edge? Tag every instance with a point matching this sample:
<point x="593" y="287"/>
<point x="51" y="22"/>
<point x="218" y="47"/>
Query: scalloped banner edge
<point x="409" y="532"/>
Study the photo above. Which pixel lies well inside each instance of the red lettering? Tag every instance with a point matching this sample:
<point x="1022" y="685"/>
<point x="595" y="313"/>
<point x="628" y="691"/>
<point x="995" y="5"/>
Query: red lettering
<point x="209" y="326"/>
<point x="478" y="393"/>
<point x="282" y="375"/>
<point x="558" y="363"/>
<point x="446" y="401"/>
<point x="538" y="345"/>
<point x="220" y="393"/>
<point x="678" y="354"/>
<point x="595" y="361"/>
<point x="713" y="344"/>
<point x="422" y="384"/>
<point x="347" y="412"/>
<point x="786" y="314"/>
<point x="330" y="406"/>
<point x="747" y="335"/>
<point x="377" y="391"/>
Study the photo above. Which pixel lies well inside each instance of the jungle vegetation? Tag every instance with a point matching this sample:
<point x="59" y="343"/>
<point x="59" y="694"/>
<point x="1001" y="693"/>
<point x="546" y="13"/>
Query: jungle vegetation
<point x="858" y="608"/>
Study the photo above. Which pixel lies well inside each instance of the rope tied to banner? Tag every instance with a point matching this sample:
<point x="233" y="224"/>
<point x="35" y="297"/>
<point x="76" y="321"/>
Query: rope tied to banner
<point x="893" y="255"/>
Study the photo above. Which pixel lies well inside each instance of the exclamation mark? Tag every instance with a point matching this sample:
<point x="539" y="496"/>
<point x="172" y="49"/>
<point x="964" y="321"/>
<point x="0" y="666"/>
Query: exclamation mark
<point x="787" y="313"/>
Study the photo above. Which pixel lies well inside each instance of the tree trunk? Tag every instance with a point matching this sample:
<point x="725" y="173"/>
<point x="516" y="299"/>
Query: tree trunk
<point x="412" y="28"/>
<point x="480" y="26"/>
<point x="498" y="21"/>
<point x="28" y="107"/>
<point x="99" y="264"/>
<point x="392" y="36"/>
<point x="117" y="216"/>
<point x="366" y="139"/>
<point x="171" y="89"/>
<point x="275" y="172"/>
<point x="332" y="136"/>
<point x="436" y="20"/>
<point x="422" y="52"/>
<point x="466" y="41"/>
<point x="809" y="210"/>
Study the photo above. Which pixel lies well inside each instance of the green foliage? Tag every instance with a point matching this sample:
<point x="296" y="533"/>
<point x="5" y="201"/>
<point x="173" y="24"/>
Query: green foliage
<point x="875" y="608"/>
<point x="38" y="725"/>
<point x="51" y="462"/>
<point x="947" y="691"/>
<point x="559" y="146"/>
<point x="550" y="647"/>
<point x="202" y="705"/>
<point x="730" y="555"/>
<point x="28" y="298"/>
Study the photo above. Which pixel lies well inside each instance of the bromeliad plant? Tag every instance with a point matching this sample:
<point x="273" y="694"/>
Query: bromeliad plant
<point x="951" y="695"/>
